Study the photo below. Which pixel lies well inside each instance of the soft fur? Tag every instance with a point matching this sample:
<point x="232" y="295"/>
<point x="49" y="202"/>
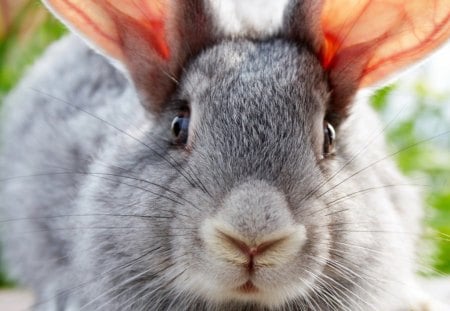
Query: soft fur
<point x="264" y="134"/>
<point x="102" y="211"/>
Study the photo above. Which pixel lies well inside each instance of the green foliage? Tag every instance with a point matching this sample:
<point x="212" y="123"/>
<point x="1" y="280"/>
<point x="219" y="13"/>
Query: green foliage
<point x="5" y="282"/>
<point x="440" y="200"/>
<point x="379" y="99"/>
<point x="20" y="47"/>
<point x="421" y="143"/>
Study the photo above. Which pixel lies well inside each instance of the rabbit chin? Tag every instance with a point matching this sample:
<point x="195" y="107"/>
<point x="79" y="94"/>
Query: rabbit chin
<point x="245" y="291"/>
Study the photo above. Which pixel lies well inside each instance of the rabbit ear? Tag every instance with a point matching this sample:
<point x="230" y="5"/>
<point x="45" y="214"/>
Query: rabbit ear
<point x="365" y="41"/>
<point x="381" y="35"/>
<point x="152" y="38"/>
<point x="101" y="22"/>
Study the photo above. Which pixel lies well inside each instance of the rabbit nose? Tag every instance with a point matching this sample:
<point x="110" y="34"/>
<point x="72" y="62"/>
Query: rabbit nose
<point x="253" y="228"/>
<point x="276" y="249"/>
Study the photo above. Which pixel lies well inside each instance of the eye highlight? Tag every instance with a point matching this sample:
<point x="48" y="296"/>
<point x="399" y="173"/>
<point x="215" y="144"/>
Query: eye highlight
<point x="180" y="128"/>
<point x="328" y="139"/>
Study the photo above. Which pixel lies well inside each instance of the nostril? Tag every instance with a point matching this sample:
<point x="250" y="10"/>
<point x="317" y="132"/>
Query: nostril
<point x="267" y="250"/>
<point x="251" y="249"/>
<point x="269" y="244"/>
<point x="241" y="245"/>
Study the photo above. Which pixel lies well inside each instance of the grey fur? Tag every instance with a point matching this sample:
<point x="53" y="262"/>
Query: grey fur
<point x="257" y="113"/>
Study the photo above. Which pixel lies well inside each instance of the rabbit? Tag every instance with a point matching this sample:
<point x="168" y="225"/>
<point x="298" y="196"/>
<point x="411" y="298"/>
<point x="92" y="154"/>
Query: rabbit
<point x="162" y="159"/>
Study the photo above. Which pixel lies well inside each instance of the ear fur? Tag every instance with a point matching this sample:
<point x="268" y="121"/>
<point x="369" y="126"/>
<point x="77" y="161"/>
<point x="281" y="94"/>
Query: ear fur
<point x="151" y="38"/>
<point x="303" y="22"/>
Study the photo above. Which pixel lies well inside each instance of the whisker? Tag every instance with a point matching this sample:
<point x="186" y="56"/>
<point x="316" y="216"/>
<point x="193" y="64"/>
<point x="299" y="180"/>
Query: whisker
<point x="382" y="159"/>
<point x="123" y="283"/>
<point x="101" y="175"/>
<point x="85" y="215"/>
<point x="193" y="176"/>
<point x="80" y="286"/>
<point x="442" y="238"/>
<point x="385" y="254"/>
<point x="359" y="192"/>
<point x="120" y="131"/>
<point x="354" y="156"/>
<point x="337" y="267"/>
<point x="166" y="284"/>
<point x="342" y="291"/>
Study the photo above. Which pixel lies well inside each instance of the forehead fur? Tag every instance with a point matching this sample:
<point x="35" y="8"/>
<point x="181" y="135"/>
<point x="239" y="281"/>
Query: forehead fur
<point x="237" y="17"/>
<point x="272" y="73"/>
<point x="256" y="102"/>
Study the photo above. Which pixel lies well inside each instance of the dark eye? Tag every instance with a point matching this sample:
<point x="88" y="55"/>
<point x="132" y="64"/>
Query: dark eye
<point x="329" y="138"/>
<point x="180" y="129"/>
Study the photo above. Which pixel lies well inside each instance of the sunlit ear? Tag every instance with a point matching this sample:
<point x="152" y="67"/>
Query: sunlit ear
<point x="152" y="39"/>
<point x="103" y="22"/>
<point x="384" y="35"/>
<point x="365" y="41"/>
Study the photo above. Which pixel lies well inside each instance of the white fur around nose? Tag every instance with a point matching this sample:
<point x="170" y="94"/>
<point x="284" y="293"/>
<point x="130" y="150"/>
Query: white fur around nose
<point x="254" y="213"/>
<point x="241" y="17"/>
<point x="287" y="243"/>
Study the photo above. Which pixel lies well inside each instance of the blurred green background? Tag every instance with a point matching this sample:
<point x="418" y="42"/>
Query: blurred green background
<point x="420" y="101"/>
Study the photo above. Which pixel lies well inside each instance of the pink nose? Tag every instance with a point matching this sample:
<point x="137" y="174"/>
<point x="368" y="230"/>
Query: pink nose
<point x="251" y="250"/>
<point x="253" y="229"/>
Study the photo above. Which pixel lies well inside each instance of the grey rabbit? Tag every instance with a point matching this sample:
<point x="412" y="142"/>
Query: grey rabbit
<point x="186" y="159"/>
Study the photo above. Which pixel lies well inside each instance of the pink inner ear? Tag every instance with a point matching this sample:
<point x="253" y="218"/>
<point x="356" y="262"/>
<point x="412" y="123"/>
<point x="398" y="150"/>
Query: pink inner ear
<point x="103" y="21"/>
<point x="370" y="39"/>
<point x="147" y="17"/>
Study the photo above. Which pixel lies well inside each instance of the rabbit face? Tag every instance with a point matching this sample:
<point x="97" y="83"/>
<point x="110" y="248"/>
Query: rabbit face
<point x="230" y="215"/>
<point x="248" y="241"/>
<point x="225" y="188"/>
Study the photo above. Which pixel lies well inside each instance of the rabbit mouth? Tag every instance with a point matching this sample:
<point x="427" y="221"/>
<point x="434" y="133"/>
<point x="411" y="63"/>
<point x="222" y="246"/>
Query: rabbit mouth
<point x="248" y="288"/>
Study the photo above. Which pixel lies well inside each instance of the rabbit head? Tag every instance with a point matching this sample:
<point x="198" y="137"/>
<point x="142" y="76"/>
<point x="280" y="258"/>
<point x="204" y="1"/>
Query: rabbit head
<point x="230" y="176"/>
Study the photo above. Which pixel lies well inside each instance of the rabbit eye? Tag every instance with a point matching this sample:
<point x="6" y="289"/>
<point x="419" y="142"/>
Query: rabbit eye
<point x="180" y="129"/>
<point x="329" y="138"/>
